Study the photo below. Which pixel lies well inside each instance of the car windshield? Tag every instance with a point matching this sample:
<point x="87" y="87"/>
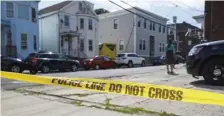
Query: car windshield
<point x="120" y="55"/>
<point x="32" y="55"/>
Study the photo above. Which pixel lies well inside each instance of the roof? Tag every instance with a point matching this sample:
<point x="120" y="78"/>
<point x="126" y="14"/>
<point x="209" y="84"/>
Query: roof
<point x="131" y="9"/>
<point x="54" y="7"/>
<point x="199" y="16"/>
<point x="150" y="13"/>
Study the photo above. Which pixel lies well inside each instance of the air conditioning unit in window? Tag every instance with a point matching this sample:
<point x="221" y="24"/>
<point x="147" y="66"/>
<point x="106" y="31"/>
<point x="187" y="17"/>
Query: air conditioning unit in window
<point x="34" y="20"/>
<point x="66" y="39"/>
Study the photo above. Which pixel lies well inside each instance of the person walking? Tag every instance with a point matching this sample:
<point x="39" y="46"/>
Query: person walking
<point x="170" y="56"/>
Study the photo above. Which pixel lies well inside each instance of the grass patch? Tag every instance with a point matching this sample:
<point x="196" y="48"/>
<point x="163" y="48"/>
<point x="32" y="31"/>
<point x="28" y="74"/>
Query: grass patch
<point x="165" y="114"/>
<point x="96" y="106"/>
<point x="82" y="94"/>
<point x="77" y="103"/>
<point x="107" y="103"/>
<point x="135" y="110"/>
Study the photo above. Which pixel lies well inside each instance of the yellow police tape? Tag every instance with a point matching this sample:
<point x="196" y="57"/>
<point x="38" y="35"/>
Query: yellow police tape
<point x="126" y="88"/>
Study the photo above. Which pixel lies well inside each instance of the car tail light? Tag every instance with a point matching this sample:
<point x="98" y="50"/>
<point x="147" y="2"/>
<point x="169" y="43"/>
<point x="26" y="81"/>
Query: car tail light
<point x="34" y="60"/>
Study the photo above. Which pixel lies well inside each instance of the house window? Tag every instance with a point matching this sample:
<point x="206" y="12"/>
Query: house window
<point x="164" y="29"/>
<point x="9" y="10"/>
<point x="81" y="45"/>
<point x="153" y="26"/>
<point x="35" y="42"/>
<point x="189" y="42"/>
<point x="139" y="22"/>
<point x="140" y="45"/>
<point x="90" y="45"/>
<point x="90" y="24"/>
<point x="62" y="42"/>
<point x="81" y="23"/>
<point x="80" y="6"/>
<point x="160" y="28"/>
<point x="163" y="47"/>
<point x="23" y="11"/>
<point x="23" y="41"/>
<point x="143" y="44"/>
<point x="121" y="45"/>
<point x="115" y="23"/>
<point x="150" y="27"/>
<point x="34" y="15"/>
<point x="66" y="18"/>
<point x="171" y="32"/>
<point x="160" y="47"/>
<point x="9" y="39"/>
<point x="145" y="23"/>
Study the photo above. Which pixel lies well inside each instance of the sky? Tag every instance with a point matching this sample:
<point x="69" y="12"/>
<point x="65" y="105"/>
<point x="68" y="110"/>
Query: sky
<point x="183" y="9"/>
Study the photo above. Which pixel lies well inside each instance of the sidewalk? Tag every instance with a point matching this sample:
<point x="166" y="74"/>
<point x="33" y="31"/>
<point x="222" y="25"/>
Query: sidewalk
<point x="17" y="104"/>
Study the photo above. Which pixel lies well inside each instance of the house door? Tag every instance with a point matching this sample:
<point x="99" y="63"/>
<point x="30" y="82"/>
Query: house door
<point x="152" y="46"/>
<point x="69" y="45"/>
<point x="3" y="41"/>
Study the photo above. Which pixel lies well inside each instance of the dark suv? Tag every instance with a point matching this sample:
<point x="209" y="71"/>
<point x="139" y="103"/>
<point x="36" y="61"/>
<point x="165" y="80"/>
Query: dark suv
<point x="46" y="61"/>
<point x="207" y="60"/>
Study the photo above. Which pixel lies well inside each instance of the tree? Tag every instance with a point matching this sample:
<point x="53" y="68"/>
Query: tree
<point x="101" y="11"/>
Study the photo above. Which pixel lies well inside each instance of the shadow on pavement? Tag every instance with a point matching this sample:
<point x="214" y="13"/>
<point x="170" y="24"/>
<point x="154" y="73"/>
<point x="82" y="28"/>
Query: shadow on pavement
<point x="202" y="84"/>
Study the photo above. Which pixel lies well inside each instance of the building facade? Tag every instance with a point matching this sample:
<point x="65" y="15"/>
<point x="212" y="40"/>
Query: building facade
<point x="144" y="34"/>
<point x="214" y="20"/>
<point x="201" y="19"/>
<point x="69" y="28"/>
<point x="187" y="36"/>
<point x="19" y="28"/>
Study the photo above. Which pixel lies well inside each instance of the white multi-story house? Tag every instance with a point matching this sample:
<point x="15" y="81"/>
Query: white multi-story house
<point x="201" y="19"/>
<point x="70" y="28"/>
<point x="144" y="33"/>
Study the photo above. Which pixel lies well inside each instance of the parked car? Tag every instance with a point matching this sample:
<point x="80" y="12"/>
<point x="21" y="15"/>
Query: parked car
<point x="81" y="60"/>
<point x="99" y="62"/>
<point x="159" y="60"/>
<point x="180" y="59"/>
<point x="47" y="61"/>
<point x="207" y="60"/>
<point x="12" y="64"/>
<point x="129" y="59"/>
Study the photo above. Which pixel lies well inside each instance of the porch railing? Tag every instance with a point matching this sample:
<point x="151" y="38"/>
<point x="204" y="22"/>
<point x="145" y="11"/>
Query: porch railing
<point x="74" y="52"/>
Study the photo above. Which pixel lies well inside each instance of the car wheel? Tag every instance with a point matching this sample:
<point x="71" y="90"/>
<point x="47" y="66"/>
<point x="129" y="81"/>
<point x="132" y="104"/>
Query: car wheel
<point x="114" y="66"/>
<point x="33" y="71"/>
<point x="16" y="69"/>
<point x="130" y="64"/>
<point x="97" y="67"/>
<point x="213" y="72"/>
<point x="45" y="69"/>
<point x="74" y="68"/>
<point x="118" y="66"/>
<point x="143" y="63"/>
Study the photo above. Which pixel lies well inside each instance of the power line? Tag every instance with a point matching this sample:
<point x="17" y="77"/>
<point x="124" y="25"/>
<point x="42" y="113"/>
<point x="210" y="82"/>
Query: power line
<point x="180" y="8"/>
<point x="140" y="15"/>
<point x="147" y="14"/>
<point x="189" y="6"/>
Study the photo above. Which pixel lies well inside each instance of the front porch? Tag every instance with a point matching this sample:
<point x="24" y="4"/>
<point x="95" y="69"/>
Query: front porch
<point x="70" y="44"/>
<point x="7" y="47"/>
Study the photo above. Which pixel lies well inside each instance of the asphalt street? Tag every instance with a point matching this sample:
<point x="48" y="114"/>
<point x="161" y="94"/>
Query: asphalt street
<point x="106" y="73"/>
